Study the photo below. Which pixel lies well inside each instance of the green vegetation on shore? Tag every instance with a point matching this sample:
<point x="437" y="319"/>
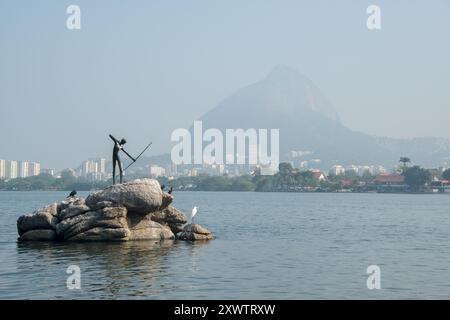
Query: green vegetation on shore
<point x="47" y="182"/>
<point x="288" y="179"/>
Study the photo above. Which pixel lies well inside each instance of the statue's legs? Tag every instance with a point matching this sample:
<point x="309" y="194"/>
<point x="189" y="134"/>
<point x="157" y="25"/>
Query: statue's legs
<point x="120" y="169"/>
<point x="114" y="169"/>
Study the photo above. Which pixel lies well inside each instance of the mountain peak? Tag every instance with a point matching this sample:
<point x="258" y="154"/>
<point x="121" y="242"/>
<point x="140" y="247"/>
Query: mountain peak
<point x="291" y="91"/>
<point x="283" y="93"/>
<point x="282" y="71"/>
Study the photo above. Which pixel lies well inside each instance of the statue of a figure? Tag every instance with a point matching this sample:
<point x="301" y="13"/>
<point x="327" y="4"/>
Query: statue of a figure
<point x="118" y="145"/>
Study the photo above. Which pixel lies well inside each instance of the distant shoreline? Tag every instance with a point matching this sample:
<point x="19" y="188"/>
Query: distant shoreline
<point x="250" y="191"/>
<point x="410" y="180"/>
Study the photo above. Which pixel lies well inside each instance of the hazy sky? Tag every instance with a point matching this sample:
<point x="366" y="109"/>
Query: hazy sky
<point x="140" y="69"/>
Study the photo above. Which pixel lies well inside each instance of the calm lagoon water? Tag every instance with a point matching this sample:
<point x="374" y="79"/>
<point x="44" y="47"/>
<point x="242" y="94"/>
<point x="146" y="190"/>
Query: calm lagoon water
<point x="268" y="246"/>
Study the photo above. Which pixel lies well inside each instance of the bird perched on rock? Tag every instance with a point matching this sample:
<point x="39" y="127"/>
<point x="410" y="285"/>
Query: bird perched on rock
<point x="162" y="187"/>
<point x="170" y="190"/>
<point x="192" y="215"/>
<point x="72" y="194"/>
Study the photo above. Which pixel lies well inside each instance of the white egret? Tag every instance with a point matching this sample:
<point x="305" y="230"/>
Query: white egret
<point x="193" y="213"/>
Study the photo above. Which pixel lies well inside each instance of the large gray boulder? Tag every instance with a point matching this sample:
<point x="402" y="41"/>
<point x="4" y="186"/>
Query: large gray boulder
<point x="106" y="218"/>
<point x="112" y="223"/>
<point x="171" y="217"/>
<point x="73" y="210"/>
<point x="143" y="228"/>
<point x="140" y="196"/>
<point x="102" y="234"/>
<point x="69" y="201"/>
<point x="193" y="232"/>
<point x="38" y="235"/>
<point x="44" y="218"/>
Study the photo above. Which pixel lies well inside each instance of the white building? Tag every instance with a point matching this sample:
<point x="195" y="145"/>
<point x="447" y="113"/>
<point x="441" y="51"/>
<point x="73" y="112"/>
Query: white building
<point x="34" y="169"/>
<point x="267" y="171"/>
<point x="379" y="170"/>
<point x="157" y="171"/>
<point x="12" y="169"/>
<point x="88" y="167"/>
<point x="23" y="169"/>
<point x="48" y="171"/>
<point x="94" y="169"/>
<point x="2" y="169"/>
<point x="337" y="170"/>
<point x="102" y="165"/>
<point x="355" y="169"/>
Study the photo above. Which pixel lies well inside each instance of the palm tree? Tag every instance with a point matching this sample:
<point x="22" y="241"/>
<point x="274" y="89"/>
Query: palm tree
<point x="404" y="160"/>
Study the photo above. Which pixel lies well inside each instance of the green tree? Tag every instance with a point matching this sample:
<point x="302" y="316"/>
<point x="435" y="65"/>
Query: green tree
<point x="416" y="177"/>
<point x="286" y="179"/>
<point x="446" y="174"/>
<point x="285" y="169"/>
<point x="242" y="183"/>
<point x="367" y="176"/>
<point x="264" y="183"/>
<point x="404" y="160"/>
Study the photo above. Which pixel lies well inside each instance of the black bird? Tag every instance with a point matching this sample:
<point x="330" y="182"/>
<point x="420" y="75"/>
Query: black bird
<point x="170" y="190"/>
<point x="72" y="194"/>
<point x="162" y="187"/>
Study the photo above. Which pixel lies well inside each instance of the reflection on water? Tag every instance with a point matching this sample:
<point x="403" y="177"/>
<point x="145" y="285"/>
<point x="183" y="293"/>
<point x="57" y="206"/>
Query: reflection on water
<point x="112" y="269"/>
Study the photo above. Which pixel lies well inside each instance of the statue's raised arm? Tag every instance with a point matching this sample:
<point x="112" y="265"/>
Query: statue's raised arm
<point x="113" y="139"/>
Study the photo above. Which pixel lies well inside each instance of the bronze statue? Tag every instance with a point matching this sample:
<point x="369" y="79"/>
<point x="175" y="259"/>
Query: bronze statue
<point x="118" y="145"/>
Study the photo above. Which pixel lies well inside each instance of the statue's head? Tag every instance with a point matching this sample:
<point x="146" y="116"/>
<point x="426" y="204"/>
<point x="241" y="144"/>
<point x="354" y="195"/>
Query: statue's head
<point x="123" y="141"/>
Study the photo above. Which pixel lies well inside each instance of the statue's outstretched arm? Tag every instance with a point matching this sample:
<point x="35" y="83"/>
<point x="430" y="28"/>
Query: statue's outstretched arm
<point x="113" y="139"/>
<point x="128" y="155"/>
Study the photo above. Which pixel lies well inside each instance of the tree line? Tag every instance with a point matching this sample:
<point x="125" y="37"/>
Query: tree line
<point x="287" y="179"/>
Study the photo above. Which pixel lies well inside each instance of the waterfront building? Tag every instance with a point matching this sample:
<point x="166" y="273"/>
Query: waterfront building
<point x="390" y="183"/>
<point x="318" y="175"/>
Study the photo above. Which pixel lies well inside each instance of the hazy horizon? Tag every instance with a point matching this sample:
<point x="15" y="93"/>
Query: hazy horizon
<point x="139" y="70"/>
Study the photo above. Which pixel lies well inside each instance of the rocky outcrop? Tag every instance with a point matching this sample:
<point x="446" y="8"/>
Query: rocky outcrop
<point x="39" y="235"/>
<point x="171" y="217"/>
<point x="73" y="209"/>
<point x="144" y="228"/>
<point x="136" y="210"/>
<point x="109" y="218"/>
<point x="41" y="219"/>
<point x="194" y="232"/>
<point x="140" y="196"/>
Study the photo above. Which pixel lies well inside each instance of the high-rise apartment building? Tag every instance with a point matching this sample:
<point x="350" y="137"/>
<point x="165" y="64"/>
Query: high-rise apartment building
<point x="23" y="169"/>
<point x="12" y="169"/>
<point x="34" y="169"/>
<point x="2" y="169"/>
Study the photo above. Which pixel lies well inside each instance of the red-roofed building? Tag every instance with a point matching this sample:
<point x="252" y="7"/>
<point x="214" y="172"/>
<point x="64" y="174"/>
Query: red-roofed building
<point x="390" y="183"/>
<point x="388" y="179"/>
<point x="318" y="175"/>
<point x="347" y="183"/>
